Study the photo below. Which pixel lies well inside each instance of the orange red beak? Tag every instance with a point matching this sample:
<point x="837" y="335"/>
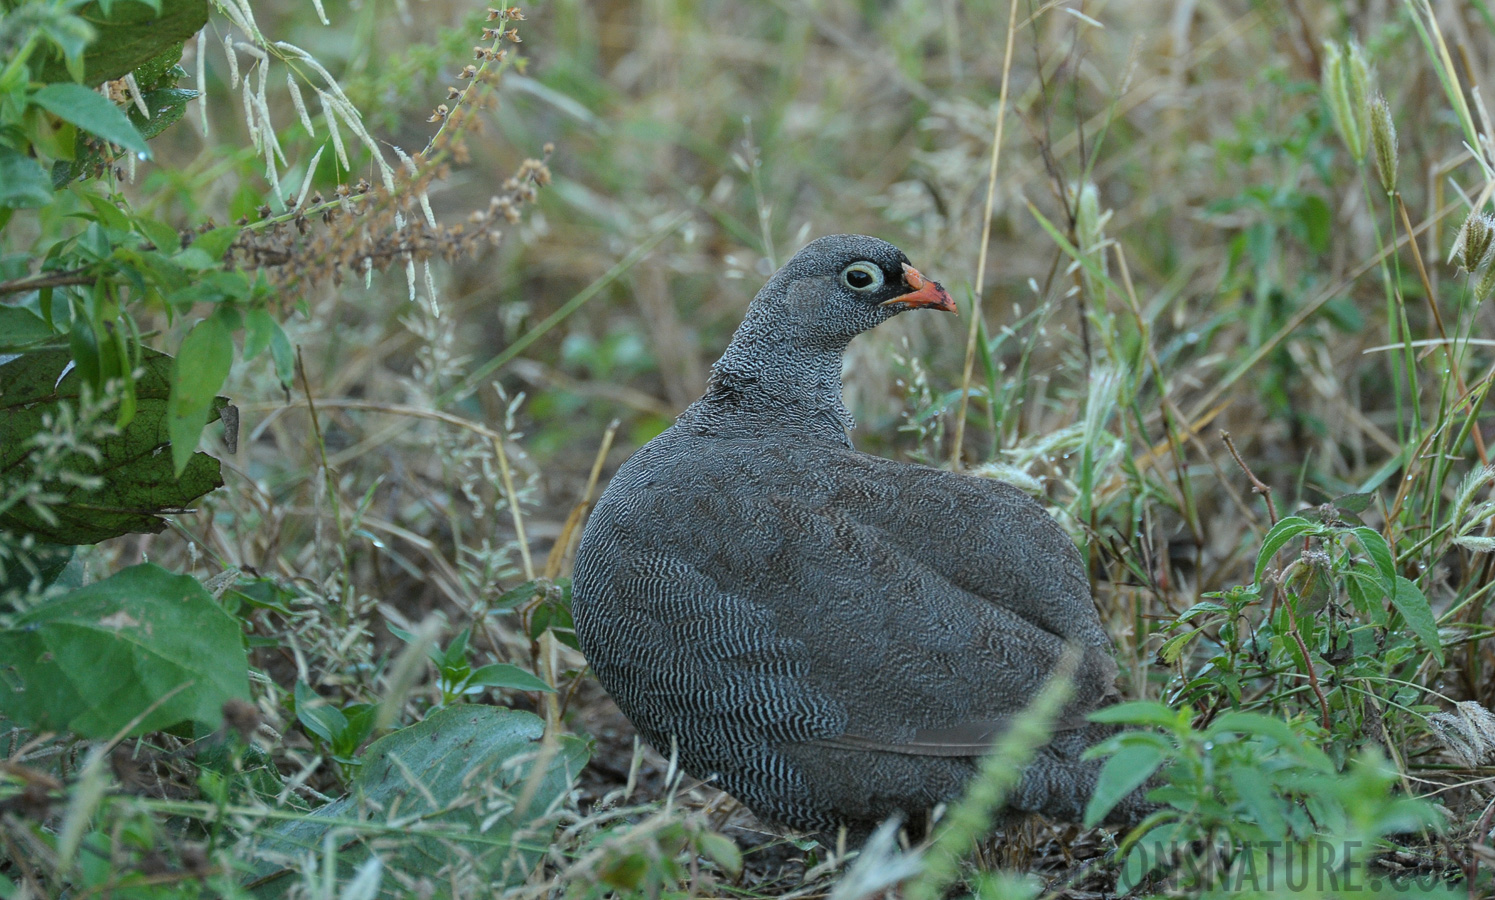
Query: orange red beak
<point x="924" y="293"/>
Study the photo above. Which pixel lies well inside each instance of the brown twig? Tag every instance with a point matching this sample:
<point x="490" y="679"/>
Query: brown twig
<point x="1257" y="487"/>
<point x="1313" y="678"/>
<point x="52" y="279"/>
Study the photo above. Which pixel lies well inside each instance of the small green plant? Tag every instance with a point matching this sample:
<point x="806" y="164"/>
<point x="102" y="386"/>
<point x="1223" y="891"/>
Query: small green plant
<point x="1246" y="797"/>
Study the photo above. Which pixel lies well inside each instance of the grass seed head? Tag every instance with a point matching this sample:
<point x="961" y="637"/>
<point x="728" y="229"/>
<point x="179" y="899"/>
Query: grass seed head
<point x="1383" y="139"/>
<point x="1474" y="245"/>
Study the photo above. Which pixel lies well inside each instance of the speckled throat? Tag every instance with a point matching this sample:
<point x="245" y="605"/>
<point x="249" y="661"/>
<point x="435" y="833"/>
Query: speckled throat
<point x="768" y="384"/>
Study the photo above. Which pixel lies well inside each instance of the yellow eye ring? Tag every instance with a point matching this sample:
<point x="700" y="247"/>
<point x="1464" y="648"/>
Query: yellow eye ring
<point x="862" y="276"/>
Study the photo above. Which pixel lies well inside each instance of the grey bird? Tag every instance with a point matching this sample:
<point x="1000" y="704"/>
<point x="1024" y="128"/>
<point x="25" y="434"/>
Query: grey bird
<point x="829" y="636"/>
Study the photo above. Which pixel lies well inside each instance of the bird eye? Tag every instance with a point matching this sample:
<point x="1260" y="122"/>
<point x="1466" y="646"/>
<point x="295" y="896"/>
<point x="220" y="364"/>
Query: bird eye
<point x="862" y="276"/>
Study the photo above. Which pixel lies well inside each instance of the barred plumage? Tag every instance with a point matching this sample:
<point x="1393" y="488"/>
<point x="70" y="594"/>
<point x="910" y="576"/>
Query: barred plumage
<point x="830" y="635"/>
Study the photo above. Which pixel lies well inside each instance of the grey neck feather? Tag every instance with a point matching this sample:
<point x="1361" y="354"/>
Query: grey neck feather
<point x="772" y="380"/>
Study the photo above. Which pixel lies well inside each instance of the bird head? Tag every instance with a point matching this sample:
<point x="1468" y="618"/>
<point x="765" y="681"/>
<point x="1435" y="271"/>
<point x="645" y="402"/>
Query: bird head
<point x="843" y="284"/>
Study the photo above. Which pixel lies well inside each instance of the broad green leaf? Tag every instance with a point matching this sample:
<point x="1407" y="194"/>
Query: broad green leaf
<point x="138" y="482"/>
<point x="91" y="112"/>
<point x="143" y="643"/>
<point x="1284" y="531"/>
<point x="472" y="776"/>
<point x="24" y="184"/>
<point x="1126" y="770"/>
<point x="134" y="35"/>
<point x="1414" y="607"/>
<point x="201" y="366"/>
<point x="503" y="675"/>
<point x="20" y="327"/>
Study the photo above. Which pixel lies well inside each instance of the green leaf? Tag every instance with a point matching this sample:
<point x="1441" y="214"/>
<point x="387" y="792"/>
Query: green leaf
<point x="1284" y="531"/>
<point x="137" y="35"/>
<point x="1355" y="503"/>
<point x="1414" y="607"/>
<point x="1174" y="647"/>
<point x="1380" y="556"/>
<point x="1259" y="800"/>
<point x="215" y="243"/>
<point x="167" y="107"/>
<point x="1126" y="770"/>
<point x="138" y="482"/>
<point x="24" y="184"/>
<point x="44" y="563"/>
<point x="92" y="113"/>
<point x="283" y="355"/>
<point x="517" y="595"/>
<point x="317" y="715"/>
<point x="1199" y="608"/>
<point x="1138" y="712"/>
<point x="473" y="776"/>
<point x="1256" y="724"/>
<point x="143" y="643"/>
<point x="202" y="365"/>
<point x="20" y="327"/>
<point x="503" y="675"/>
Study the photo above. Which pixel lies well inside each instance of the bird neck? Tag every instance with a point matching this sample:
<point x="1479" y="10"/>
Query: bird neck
<point x="768" y="384"/>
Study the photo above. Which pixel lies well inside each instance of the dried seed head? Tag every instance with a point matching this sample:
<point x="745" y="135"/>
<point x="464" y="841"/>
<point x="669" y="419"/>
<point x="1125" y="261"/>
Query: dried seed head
<point x="438" y="113"/>
<point x="1383" y="139"/>
<point x="1476" y="242"/>
<point x="453" y="93"/>
<point x="467" y="72"/>
<point x="513" y="35"/>
<point x="513" y="14"/>
<point x="494" y="14"/>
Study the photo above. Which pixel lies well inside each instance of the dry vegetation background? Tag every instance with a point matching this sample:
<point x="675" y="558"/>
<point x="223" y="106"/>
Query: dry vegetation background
<point x="1234" y="281"/>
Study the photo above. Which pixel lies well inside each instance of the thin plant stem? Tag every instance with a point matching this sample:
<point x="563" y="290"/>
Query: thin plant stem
<point x="991" y="190"/>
